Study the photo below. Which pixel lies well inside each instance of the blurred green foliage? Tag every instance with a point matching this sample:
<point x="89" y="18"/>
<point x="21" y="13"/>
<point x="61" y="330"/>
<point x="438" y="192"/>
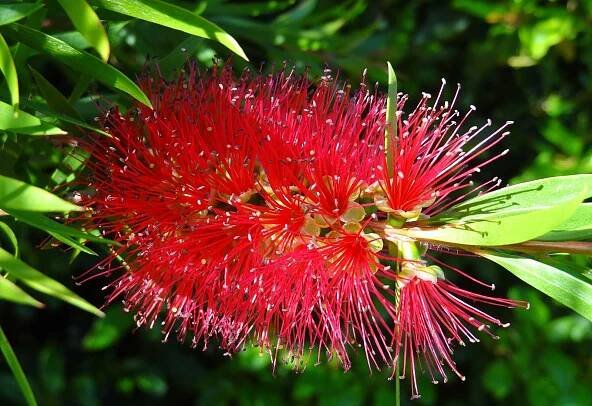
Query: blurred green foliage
<point x="529" y="61"/>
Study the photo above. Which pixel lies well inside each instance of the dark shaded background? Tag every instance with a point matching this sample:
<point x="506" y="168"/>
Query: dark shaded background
<point x="523" y="60"/>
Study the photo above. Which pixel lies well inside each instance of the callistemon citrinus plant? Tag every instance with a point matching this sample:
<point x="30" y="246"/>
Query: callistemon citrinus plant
<point x="270" y="209"/>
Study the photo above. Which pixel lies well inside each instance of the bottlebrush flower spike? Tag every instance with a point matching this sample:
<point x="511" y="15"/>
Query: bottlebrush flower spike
<point x="259" y="208"/>
<point x="433" y="156"/>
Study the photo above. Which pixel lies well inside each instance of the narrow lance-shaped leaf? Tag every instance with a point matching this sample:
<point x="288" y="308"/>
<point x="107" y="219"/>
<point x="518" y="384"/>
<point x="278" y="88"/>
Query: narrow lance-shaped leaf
<point x="9" y="13"/>
<point x="21" y="122"/>
<point x="509" y="215"/>
<point x="9" y="70"/>
<point x="577" y="227"/>
<point x="9" y="291"/>
<point x="57" y="119"/>
<point x="68" y="235"/>
<point x="17" y="370"/>
<point x="43" y="283"/>
<point x="80" y="61"/>
<point x="88" y="24"/>
<point x="44" y="223"/>
<point x="18" y="195"/>
<point x="567" y="289"/>
<point x="11" y="236"/>
<point x="390" y="132"/>
<point x="172" y="16"/>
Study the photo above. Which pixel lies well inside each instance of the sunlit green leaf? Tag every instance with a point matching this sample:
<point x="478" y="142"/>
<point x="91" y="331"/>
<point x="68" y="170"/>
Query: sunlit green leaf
<point x="17" y="370"/>
<point x="172" y="16"/>
<point x="390" y="132"/>
<point x="510" y="215"/>
<point x="43" y="283"/>
<point x="18" y="195"/>
<point x="9" y="291"/>
<point x="80" y="61"/>
<point x="564" y="287"/>
<point x="88" y="24"/>
<point x="21" y="122"/>
<point x="11" y="238"/>
<point x="10" y="13"/>
<point x="9" y="70"/>
<point x="577" y="227"/>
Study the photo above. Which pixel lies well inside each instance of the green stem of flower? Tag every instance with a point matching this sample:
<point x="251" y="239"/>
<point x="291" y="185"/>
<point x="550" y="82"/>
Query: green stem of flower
<point x="397" y="386"/>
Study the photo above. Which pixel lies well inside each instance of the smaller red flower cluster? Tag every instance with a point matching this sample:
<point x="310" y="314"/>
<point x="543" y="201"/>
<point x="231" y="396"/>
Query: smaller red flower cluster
<point x="256" y="208"/>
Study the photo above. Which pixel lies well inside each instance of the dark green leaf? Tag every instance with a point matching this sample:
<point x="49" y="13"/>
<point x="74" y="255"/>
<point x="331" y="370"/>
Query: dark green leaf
<point x="80" y="61"/>
<point x="54" y="119"/>
<point x="172" y="16"/>
<point x="567" y="289"/>
<point x="44" y="223"/>
<point x="179" y="55"/>
<point x="107" y="331"/>
<point x="43" y="283"/>
<point x="56" y="101"/>
<point x="10" y="13"/>
<point x="18" y="195"/>
<point x="17" y="370"/>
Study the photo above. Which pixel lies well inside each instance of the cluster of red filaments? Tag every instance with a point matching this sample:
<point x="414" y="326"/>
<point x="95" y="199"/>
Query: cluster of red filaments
<point x="255" y="209"/>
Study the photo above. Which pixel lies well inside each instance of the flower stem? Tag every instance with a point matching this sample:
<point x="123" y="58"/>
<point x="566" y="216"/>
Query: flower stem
<point x="397" y="386"/>
<point x="568" y="247"/>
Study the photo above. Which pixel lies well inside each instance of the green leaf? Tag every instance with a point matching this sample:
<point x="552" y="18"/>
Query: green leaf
<point x="18" y="195"/>
<point x="46" y="224"/>
<point x="390" y="132"/>
<point x="54" y="119"/>
<point x="18" y="121"/>
<point x="567" y="289"/>
<point x="9" y="70"/>
<point x="10" y="13"/>
<point x="43" y="283"/>
<point x="9" y="291"/>
<point x="172" y="16"/>
<point x="11" y="237"/>
<point x="88" y="24"/>
<point x="17" y="370"/>
<point x="56" y="101"/>
<point x="80" y="61"/>
<point x="510" y="215"/>
<point x="577" y="227"/>
<point x="72" y="243"/>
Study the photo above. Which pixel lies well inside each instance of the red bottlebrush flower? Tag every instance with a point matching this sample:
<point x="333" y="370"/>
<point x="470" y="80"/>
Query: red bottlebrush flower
<point x="433" y="315"/>
<point x="255" y="208"/>
<point x="434" y="156"/>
